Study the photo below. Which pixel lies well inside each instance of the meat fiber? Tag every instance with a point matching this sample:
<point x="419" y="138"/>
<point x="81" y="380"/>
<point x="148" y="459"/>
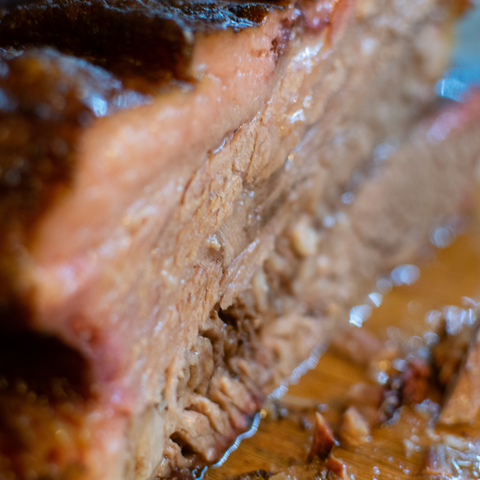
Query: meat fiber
<point x="192" y="196"/>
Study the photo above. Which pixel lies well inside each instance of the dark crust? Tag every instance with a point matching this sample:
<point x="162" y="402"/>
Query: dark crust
<point x="151" y="39"/>
<point x="46" y="99"/>
<point x="36" y="403"/>
<point x="120" y="53"/>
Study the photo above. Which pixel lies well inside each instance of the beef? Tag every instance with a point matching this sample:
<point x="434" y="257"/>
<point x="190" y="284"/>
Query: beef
<point x="323" y="440"/>
<point x="463" y="399"/>
<point x="354" y="429"/>
<point x="179" y="236"/>
<point x="331" y="469"/>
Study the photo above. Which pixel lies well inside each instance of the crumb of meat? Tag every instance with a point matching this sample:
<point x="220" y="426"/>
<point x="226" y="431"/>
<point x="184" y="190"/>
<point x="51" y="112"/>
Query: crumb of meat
<point x="323" y="439"/>
<point x="304" y="237"/>
<point x="463" y="401"/>
<point x="399" y="381"/>
<point x="415" y="381"/>
<point x="457" y="362"/>
<point x="354" y="428"/>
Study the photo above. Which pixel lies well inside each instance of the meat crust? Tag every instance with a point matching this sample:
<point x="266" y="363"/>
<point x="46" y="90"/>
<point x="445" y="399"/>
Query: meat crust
<point x="183" y="240"/>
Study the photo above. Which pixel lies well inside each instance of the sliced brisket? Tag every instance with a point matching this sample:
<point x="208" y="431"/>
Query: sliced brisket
<point x="192" y="199"/>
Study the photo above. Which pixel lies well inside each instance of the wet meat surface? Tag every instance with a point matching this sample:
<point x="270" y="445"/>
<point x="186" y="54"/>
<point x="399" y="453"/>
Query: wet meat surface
<point x="182" y="227"/>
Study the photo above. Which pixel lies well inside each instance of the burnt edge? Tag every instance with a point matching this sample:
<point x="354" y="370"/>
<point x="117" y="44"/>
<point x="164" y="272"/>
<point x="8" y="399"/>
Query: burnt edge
<point x="44" y="392"/>
<point x="113" y="34"/>
<point x="51" y="89"/>
<point x="46" y="99"/>
<point x="62" y="64"/>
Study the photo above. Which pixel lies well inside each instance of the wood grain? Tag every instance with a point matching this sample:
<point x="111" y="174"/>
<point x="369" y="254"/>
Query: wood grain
<point x="446" y="276"/>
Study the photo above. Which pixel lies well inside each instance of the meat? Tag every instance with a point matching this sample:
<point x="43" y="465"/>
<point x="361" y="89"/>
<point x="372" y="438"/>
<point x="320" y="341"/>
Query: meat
<point x="463" y="399"/>
<point x="452" y="458"/>
<point x="354" y="429"/>
<point x="175" y="240"/>
<point x="323" y="440"/>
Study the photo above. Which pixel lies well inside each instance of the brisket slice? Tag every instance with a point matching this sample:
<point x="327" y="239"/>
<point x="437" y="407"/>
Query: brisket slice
<point x="175" y="241"/>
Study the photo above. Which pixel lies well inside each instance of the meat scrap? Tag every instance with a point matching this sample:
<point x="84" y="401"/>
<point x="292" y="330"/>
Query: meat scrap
<point x="408" y="374"/>
<point x="323" y="439"/>
<point x="452" y="458"/>
<point x="406" y="387"/>
<point x="463" y="401"/>
<point x="354" y="428"/>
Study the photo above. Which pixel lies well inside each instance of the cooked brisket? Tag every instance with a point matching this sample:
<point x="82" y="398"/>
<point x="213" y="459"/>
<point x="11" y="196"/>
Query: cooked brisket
<point x="192" y="200"/>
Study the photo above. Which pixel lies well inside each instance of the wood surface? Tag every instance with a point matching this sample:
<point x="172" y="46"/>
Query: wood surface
<point x="446" y="276"/>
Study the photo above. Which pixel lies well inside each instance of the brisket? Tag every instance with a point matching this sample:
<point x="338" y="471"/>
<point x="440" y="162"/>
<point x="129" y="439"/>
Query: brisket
<point x="194" y="195"/>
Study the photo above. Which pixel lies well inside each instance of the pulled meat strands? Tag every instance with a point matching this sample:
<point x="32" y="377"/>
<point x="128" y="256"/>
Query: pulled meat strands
<point x="376" y="403"/>
<point x="323" y="444"/>
<point x="408" y="379"/>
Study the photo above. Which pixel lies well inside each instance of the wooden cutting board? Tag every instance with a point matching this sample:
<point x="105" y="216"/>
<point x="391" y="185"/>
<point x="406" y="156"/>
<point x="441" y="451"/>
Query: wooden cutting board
<point x="447" y="275"/>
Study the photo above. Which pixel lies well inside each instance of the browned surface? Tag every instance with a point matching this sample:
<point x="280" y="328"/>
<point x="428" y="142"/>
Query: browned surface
<point x="114" y="35"/>
<point x="447" y="277"/>
<point x="148" y="337"/>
